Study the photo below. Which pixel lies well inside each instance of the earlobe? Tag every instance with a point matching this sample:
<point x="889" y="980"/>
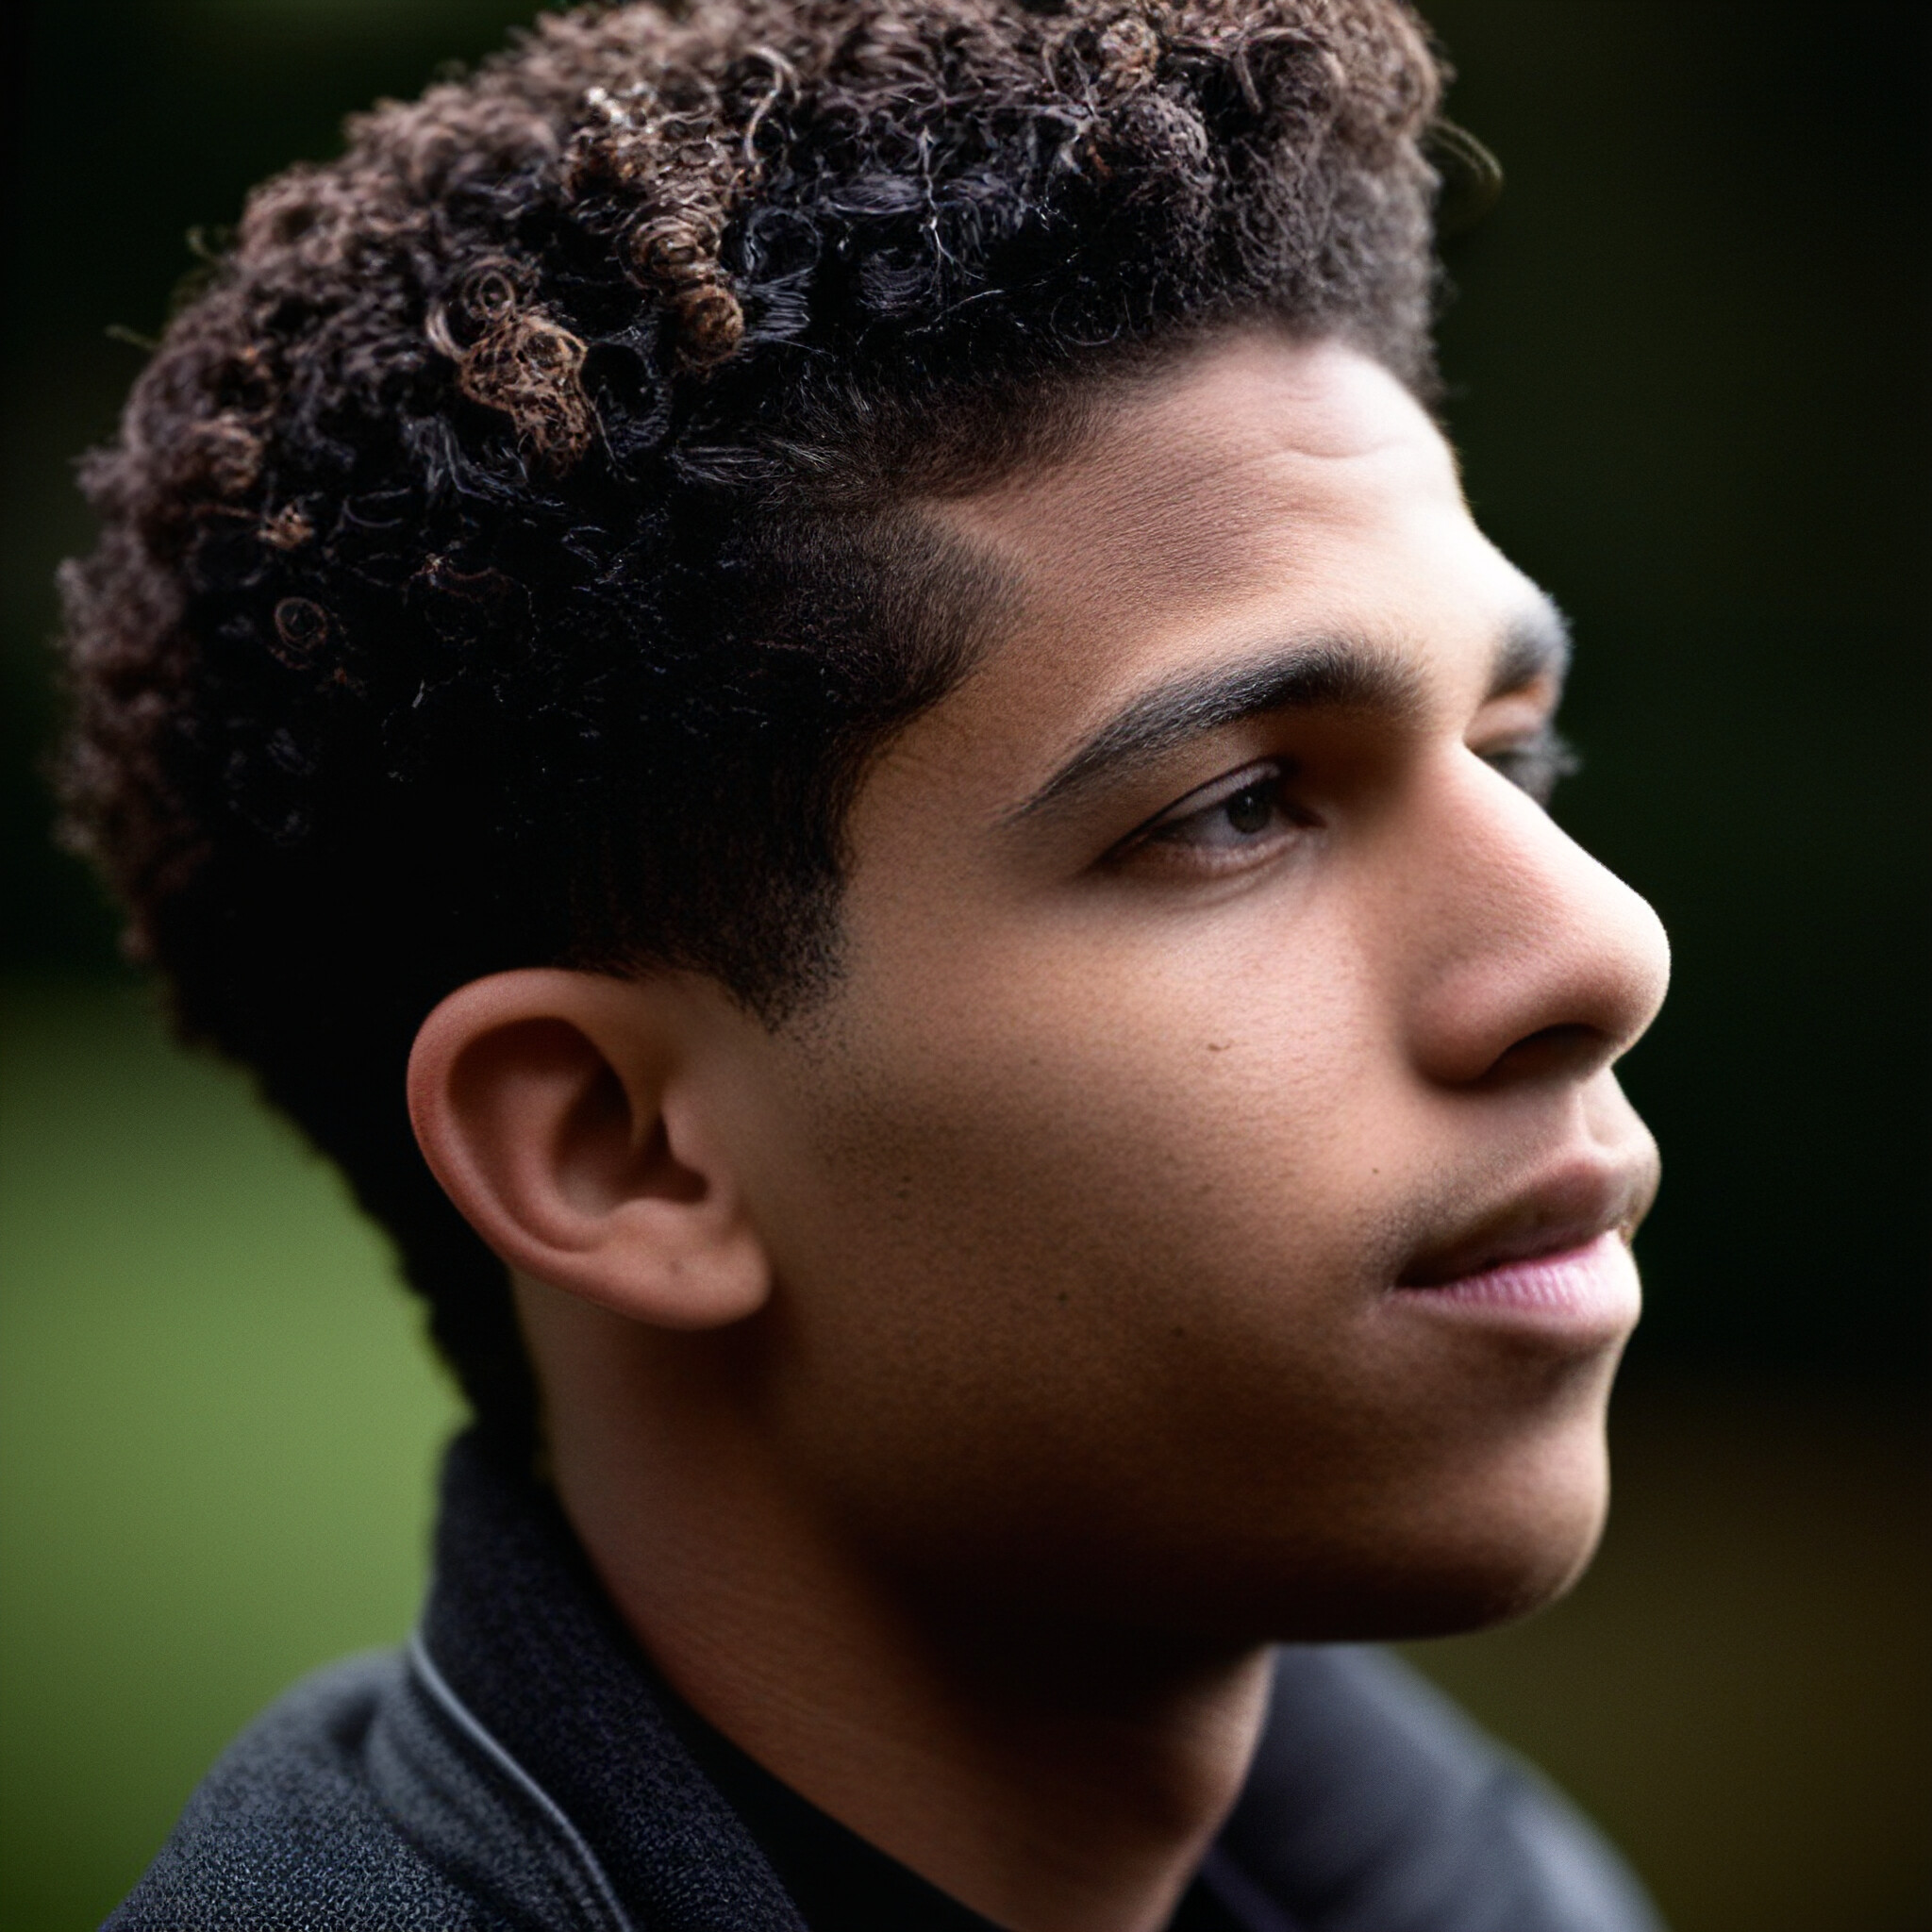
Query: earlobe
<point x="563" y="1117"/>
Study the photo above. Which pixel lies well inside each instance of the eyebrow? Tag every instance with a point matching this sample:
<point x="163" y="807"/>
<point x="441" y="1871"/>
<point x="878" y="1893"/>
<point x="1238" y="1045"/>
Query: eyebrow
<point x="1324" y="672"/>
<point x="1534" y="646"/>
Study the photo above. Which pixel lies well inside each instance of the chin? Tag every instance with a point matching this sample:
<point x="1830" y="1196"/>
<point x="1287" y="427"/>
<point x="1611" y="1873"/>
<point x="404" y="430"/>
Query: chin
<point x="1453" y="1594"/>
<point x="1435" y="1590"/>
<point x="1483" y="1554"/>
<point x="1486" y="1534"/>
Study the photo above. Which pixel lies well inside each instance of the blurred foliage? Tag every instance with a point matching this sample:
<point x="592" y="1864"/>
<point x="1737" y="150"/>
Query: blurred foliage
<point x="1686" y="372"/>
<point x="1739" y="1691"/>
<point x="1689" y="383"/>
<point x="1686" y="375"/>
<point x="216" y="1434"/>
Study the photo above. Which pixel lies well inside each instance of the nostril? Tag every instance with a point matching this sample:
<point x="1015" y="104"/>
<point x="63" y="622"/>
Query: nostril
<point x="1562" y="1052"/>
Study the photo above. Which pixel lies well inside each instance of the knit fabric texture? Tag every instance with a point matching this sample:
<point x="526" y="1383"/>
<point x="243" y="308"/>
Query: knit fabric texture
<point x="521" y="1765"/>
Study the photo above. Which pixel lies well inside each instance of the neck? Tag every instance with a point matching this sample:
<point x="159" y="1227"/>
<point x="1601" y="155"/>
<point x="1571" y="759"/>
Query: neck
<point x="1050" y="1775"/>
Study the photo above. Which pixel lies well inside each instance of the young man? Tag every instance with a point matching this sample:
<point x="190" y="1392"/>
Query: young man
<point x="809" y="679"/>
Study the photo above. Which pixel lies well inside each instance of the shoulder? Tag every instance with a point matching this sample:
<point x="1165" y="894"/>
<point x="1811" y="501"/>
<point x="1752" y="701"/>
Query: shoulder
<point x="1375" y="1806"/>
<point x="290" y="1829"/>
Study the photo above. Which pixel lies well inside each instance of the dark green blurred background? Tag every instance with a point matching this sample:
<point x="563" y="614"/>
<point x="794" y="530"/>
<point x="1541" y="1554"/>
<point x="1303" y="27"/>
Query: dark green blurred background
<point x="1686" y="361"/>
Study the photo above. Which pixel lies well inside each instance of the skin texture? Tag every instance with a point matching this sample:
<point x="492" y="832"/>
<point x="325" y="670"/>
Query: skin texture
<point x="958" y="1388"/>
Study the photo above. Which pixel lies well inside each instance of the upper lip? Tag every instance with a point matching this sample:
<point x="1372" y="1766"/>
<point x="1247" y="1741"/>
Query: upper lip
<point x="1563" y="1210"/>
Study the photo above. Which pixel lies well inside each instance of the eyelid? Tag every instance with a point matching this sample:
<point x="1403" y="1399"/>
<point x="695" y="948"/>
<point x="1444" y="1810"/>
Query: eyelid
<point x="1203" y="799"/>
<point x="1512" y="716"/>
<point x="1536" y="761"/>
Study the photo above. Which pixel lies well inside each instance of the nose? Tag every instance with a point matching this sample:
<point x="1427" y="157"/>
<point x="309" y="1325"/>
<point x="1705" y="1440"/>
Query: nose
<point x="1532" y="962"/>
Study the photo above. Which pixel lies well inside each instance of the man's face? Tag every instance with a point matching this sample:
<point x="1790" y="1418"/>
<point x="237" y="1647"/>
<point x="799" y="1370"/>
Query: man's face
<point x="1213" y="993"/>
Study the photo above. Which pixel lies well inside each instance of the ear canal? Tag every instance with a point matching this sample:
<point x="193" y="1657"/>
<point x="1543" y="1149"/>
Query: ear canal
<point x="616" y="1149"/>
<point x="664" y="1175"/>
<point x="558" y="1110"/>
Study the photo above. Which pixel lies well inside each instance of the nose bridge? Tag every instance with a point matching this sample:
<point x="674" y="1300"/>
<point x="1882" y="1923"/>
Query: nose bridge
<point x="1516" y="931"/>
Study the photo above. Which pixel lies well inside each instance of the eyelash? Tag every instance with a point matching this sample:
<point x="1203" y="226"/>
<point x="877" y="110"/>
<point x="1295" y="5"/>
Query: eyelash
<point x="1211" y="806"/>
<point x="1536" y="764"/>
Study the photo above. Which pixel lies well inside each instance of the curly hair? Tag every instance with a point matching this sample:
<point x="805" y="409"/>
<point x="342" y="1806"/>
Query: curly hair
<point x="512" y="554"/>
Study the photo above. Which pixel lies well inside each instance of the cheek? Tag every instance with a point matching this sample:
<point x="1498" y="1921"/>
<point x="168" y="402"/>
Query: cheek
<point x="1068" y="1217"/>
<point x="1079" y="1278"/>
<point x="1074" y="1121"/>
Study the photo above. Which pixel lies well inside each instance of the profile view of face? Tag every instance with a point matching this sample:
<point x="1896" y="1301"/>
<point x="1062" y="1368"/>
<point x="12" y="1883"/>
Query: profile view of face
<point x="1205" y="1191"/>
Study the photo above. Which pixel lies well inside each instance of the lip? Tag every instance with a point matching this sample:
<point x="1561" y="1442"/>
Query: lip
<point x="1587" y="1292"/>
<point x="1555" y="1259"/>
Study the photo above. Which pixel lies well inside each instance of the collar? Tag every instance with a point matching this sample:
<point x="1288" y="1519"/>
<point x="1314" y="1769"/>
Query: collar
<point x="679" y="1827"/>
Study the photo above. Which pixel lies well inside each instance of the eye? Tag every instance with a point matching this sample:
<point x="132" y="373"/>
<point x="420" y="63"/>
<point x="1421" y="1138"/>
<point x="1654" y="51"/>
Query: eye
<point x="1247" y="812"/>
<point x="1537" y="763"/>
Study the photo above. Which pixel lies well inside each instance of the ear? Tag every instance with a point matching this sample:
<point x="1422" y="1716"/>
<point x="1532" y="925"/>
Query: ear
<point x="563" y="1116"/>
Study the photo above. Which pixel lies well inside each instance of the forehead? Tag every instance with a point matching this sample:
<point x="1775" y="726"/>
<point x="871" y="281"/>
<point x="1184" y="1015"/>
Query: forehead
<point x="1227" y="466"/>
<point x="1259" y="491"/>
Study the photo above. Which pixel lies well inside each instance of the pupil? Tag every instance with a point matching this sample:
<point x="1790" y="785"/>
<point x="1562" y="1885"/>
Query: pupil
<point x="1250" y="810"/>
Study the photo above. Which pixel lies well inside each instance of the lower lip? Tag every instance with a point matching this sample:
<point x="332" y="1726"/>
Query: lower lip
<point x="1587" y="1293"/>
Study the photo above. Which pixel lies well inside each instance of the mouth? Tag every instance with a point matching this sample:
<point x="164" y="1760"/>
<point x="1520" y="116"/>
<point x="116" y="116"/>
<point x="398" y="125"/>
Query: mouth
<point x="1587" y="1293"/>
<point x="1557" y="1259"/>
